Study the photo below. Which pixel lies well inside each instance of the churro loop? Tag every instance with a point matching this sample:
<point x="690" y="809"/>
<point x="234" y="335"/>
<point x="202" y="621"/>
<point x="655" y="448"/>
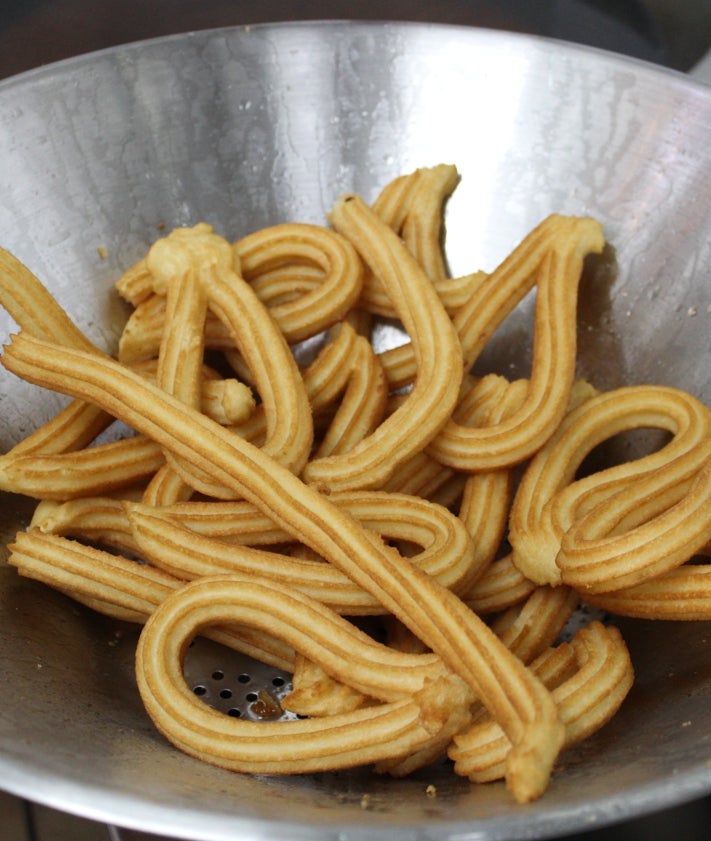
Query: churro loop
<point x="630" y="538"/>
<point x="363" y="736"/>
<point x="519" y="435"/>
<point x="294" y="244"/>
<point x="436" y="346"/>
<point x="547" y="500"/>
<point x="466" y="645"/>
<point x="587" y="699"/>
<point x="445" y="555"/>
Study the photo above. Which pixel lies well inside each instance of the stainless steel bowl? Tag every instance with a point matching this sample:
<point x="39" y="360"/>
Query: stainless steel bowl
<point x="246" y="127"/>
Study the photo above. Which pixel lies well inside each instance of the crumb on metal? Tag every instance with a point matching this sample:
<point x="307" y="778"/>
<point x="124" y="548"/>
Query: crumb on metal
<point x="431" y="790"/>
<point x="103" y="253"/>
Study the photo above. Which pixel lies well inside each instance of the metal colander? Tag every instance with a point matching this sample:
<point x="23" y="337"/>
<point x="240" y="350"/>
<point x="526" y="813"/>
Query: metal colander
<point x="246" y="127"/>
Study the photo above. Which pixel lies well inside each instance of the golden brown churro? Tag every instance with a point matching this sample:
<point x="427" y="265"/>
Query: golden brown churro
<point x="364" y="736"/>
<point x="446" y="552"/>
<point x="266" y="499"/>
<point x="294" y="244"/>
<point x="467" y="646"/>
<point x="547" y="498"/>
<point x="439" y="361"/>
<point x="517" y="437"/>
<point x="587" y="699"/>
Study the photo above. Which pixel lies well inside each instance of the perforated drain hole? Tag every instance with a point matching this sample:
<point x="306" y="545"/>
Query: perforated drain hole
<point x="235" y="684"/>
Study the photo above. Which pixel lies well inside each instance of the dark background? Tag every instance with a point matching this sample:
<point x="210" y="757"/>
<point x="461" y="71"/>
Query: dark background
<point x="675" y="33"/>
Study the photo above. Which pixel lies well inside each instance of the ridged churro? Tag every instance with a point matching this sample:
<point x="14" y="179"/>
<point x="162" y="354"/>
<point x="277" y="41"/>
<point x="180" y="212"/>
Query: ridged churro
<point x="439" y="369"/>
<point x="466" y="645"/>
<point x="587" y="699"/>
<point x="364" y="736"/>
<point x="259" y="496"/>
<point x="293" y="244"/>
<point x="547" y="497"/>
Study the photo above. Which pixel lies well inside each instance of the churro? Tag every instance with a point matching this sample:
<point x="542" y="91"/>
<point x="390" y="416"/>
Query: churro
<point x="268" y="495"/>
<point x="587" y="699"/>
<point x="363" y="736"/>
<point x="467" y="646"/>
<point x="547" y="498"/>
<point x="445" y="554"/>
<point x="439" y="360"/>
<point x="521" y="434"/>
<point x="87" y="472"/>
<point x="294" y="244"/>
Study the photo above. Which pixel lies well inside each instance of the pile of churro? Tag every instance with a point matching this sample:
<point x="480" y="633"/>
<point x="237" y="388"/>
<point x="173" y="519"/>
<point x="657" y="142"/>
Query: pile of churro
<point x="267" y="499"/>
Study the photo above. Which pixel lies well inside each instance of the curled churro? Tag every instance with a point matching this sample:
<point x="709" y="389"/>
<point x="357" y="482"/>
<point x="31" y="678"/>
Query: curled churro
<point x="598" y="554"/>
<point x="366" y="735"/>
<point x="439" y="372"/>
<point x="547" y="498"/>
<point x="292" y="245"/>
<point x="587" y="699"/>
<point x="507" y="688"/>
<point x="445" y="555"/>
<point x="518" y="436"/>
